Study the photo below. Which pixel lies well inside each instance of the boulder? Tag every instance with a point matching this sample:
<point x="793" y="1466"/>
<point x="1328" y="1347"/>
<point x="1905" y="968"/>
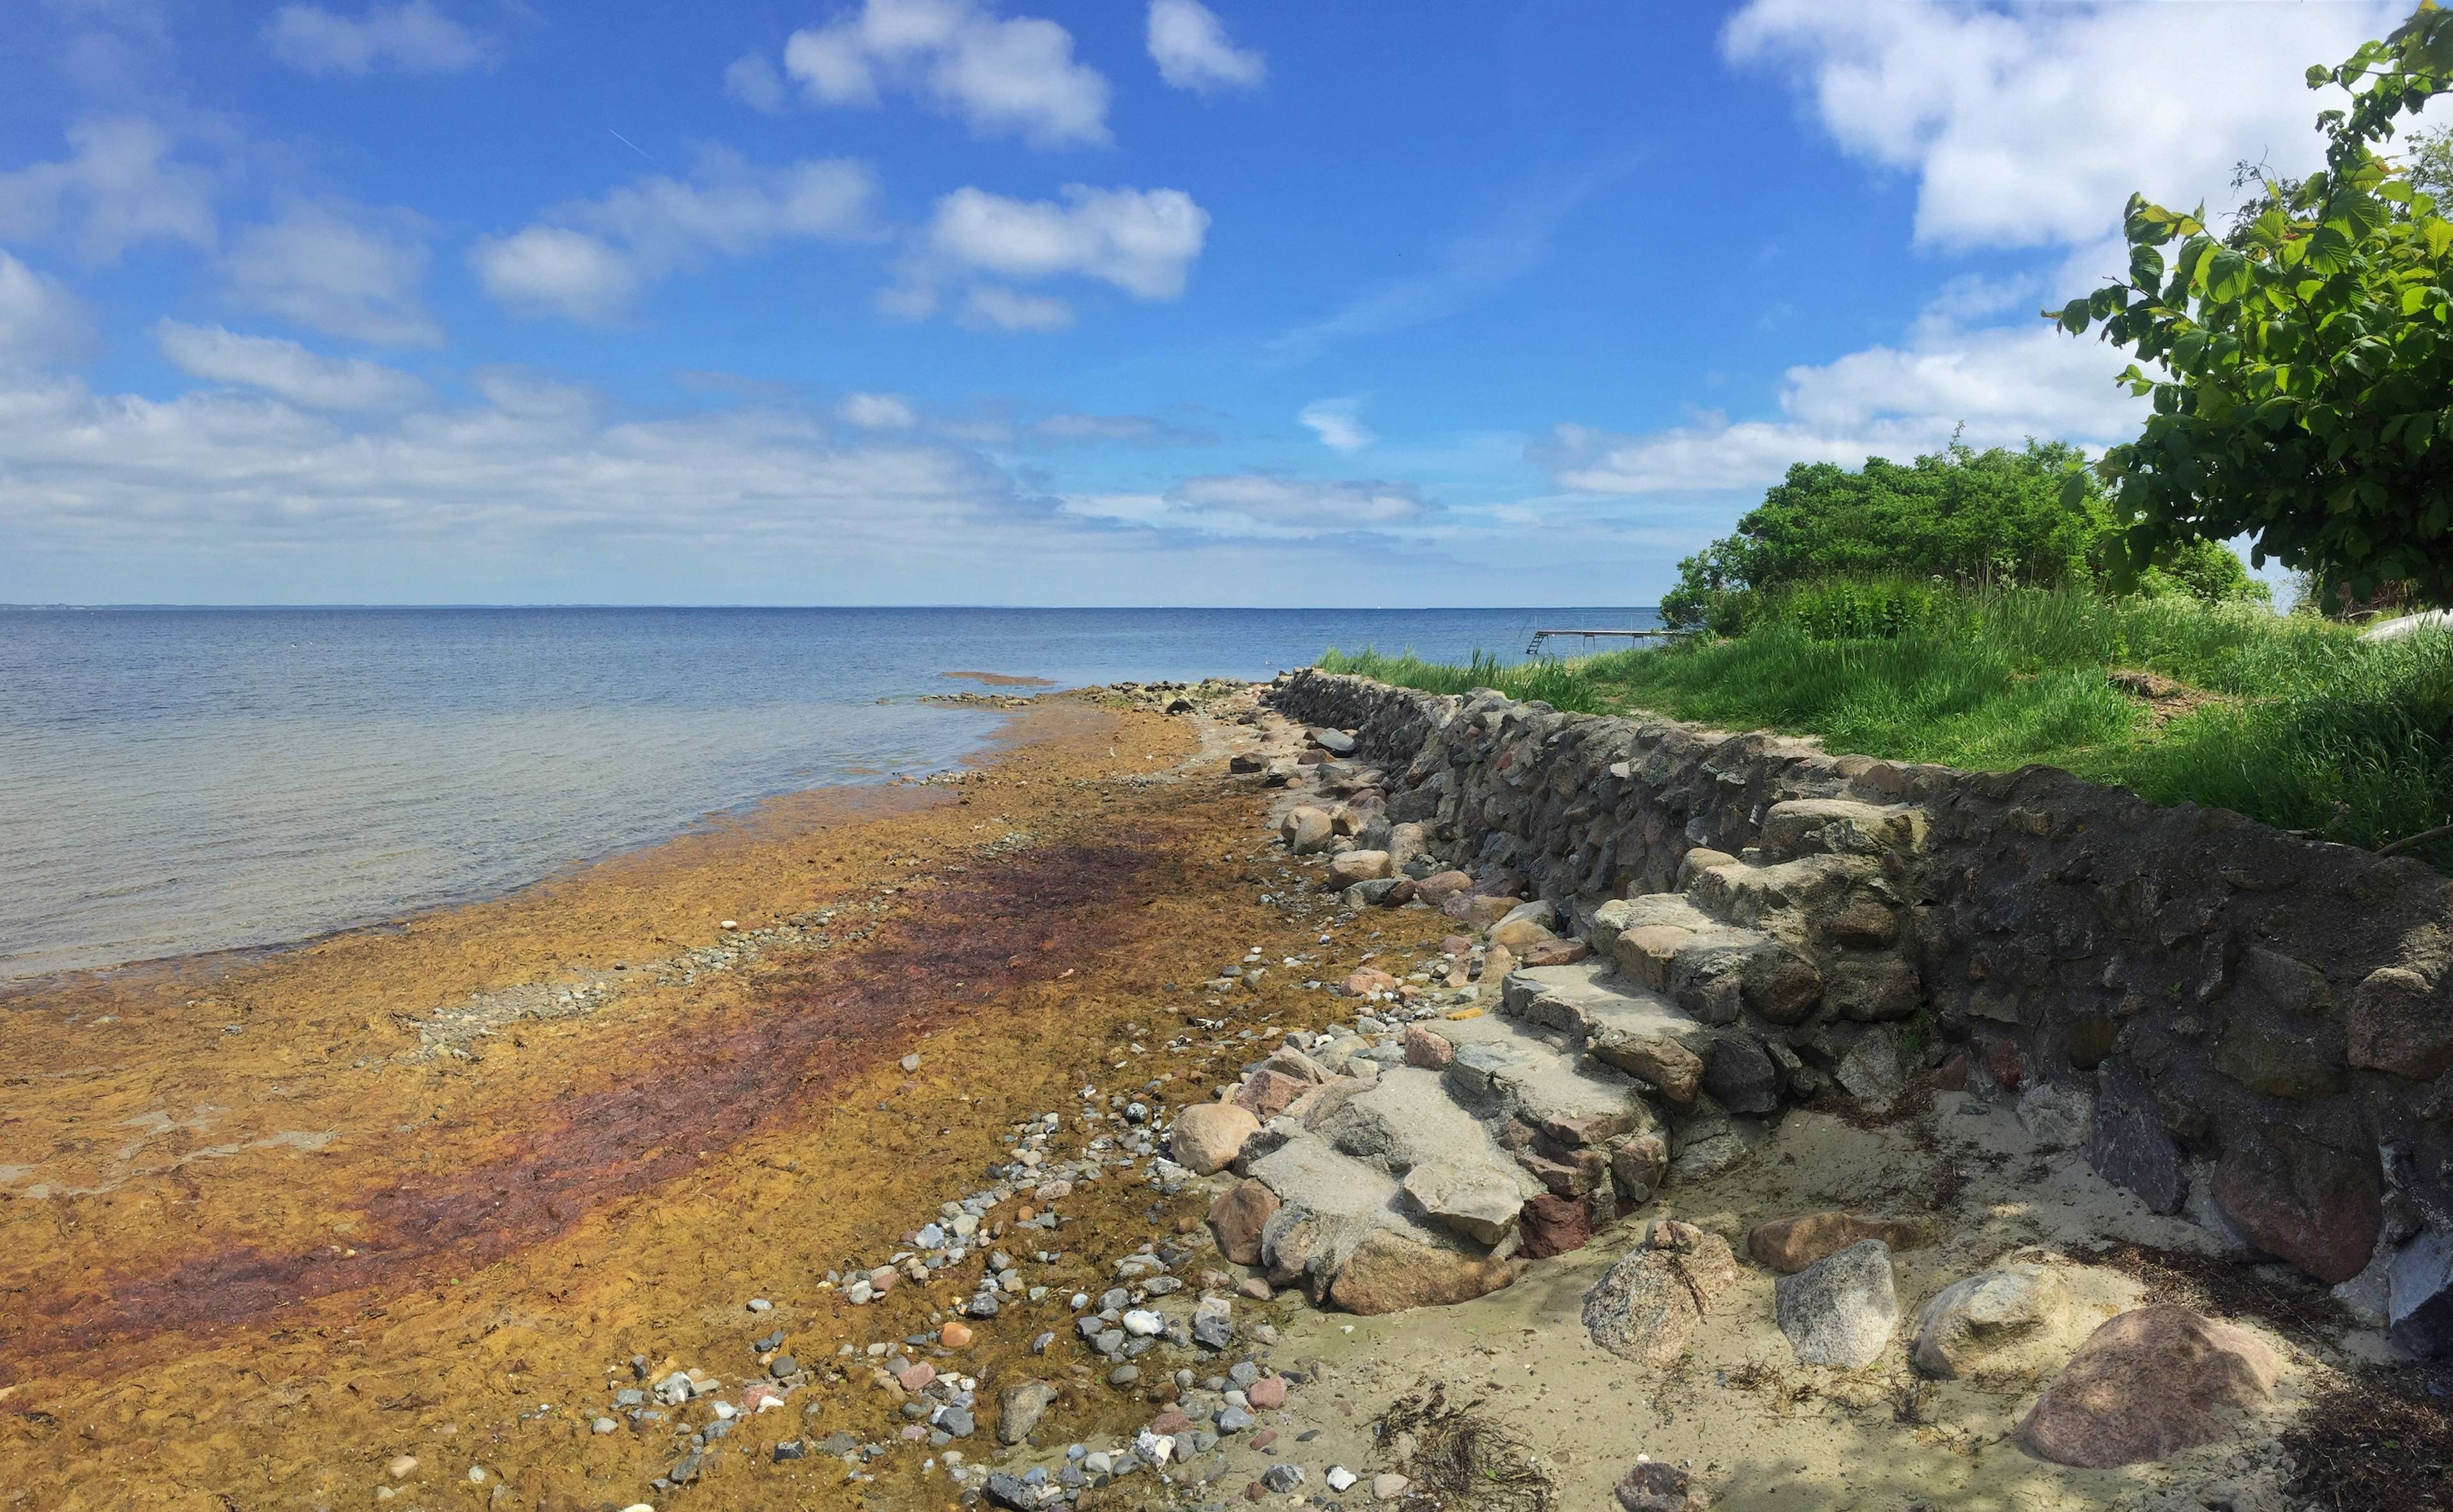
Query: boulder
<point x="1554" y="1225"/>
<point x="1392" y="1270"/>
<point x="2128" y="1144"/>
<point x="1646" y="1307"/>
<point x="1790" y="1245"/>
<point x="1643" y="953"/>
<point x="1677" y="1071"/>
<point x="1555" y="952"/>
<point x="1993" y="1323"/>
<point x="1477" y="910"/>
<point x="1237" y="1218"/>
<point x="1437" y="889"/>
<point x="2419" y="1294"/>
<point x="1741" y="1074"/>
<point x="2147" y="1384"/>
<point x="2314" y="1206"/>
<point x="1348" y="867"/>
<point x="1874" y="989"/>
<point x="1520" y="934"/>
<point x="1267" y="1093"/>
<point x="1479" y="1202"/>
<point x="1306" y="829"/>
<point x="1209" y="1135"/>
<point x="1871" y="1073"/>
<point x="1427" y="1047"/>
<point x="1366" y="979"/>
<point x="1288" y="1061"/>
<point x="1019" y="1408"/>
<point x="1638" y="1164"/>
<point x="2055" y="1116"/>
<point x="1407" y="844"/>
<point x="1842" y="1309"/>
<point x="2397" y="1022"/>
<point x="1337" y="743"/>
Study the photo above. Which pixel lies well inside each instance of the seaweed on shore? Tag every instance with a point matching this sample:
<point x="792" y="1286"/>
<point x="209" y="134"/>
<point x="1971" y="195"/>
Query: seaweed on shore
<point x="1458" y="1459"/>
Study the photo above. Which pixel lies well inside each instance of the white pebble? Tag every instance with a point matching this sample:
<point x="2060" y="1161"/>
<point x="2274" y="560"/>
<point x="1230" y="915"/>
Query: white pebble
<point x="1340" y="1478"/>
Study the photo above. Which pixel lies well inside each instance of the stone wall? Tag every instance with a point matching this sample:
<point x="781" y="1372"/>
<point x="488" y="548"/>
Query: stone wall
<point x="2254" y="1029"/>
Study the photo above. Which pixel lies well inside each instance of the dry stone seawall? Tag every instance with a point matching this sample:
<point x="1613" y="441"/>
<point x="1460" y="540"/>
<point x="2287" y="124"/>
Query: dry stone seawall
<point x="2241" y="1026"/>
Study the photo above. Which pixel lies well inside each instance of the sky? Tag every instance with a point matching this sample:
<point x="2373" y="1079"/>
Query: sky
<point x="1040" y="303"/>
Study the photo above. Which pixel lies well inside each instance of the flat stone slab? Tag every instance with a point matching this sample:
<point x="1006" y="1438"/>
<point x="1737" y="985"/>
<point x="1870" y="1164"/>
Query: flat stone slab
<point x="1590" y="998"/>
<point x="1540" y="1078"/>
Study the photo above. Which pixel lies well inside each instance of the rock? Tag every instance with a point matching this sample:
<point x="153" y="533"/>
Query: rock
<point x="955" y="1336"/>
<point x="1269" y="1393"/>
<point x="1213" y="1322"/>
<point x="1554" y="1225"/>
<point x="1496" y="962"/>
<point x="1423" y="1047"/>
<point x="2314" y="1206"/>
<point x="1790" y="1245"/>
<point x="1143" y="1324"/>
<point x="1352" y="867"/>
<point x="1334" y="741"/>
<point x="1364" y="981"/>
<point x="1647" y="1306"/>
<point x="1266" y="1094"/>
<point x="1391" y="1271"/>
<point x="2055" y="1116"/>
<point x="1667" y="1064"/>
<point x="1306" y="829"/>
<point x="1991" y="1321"/>
<point x="1243" y="763"/>
<point x="1478" y="1201"/>
<point x="1645" y="952"/>
<point x="2419" y="1294"/>
<point x="1019" y="1408"/>
<point x="1479" y="910"/>
<point x="1638" y="1166"/>
<point x="1882" y="988"/>
<point x="1437" y="889"/>
<point x="1870" y="1073"/>
<point x="1842" y="1309"/>
<point x="1006" y="1489"/>
<point x="1209" y="1135"/>
<point x="2128" y="1144"/>
<point x="1741" y="1074"/>
<point x="1388" y="1485"/>
<point x="1555" y="952"/>
<point x="2396" y="1022"/>
<point x="1288" y="1061"/>
<point x="2147" y="1384"/>
<point x="1656" y="1485"/>
<point x="1340" y="1478"/>
<point x="1520" y="934"/>
<point x="1283" y="1478"/>
<point x="1237" y="1218"/>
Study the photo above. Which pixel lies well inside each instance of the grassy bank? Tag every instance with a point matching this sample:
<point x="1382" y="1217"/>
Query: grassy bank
<point x="2288" y="720"/>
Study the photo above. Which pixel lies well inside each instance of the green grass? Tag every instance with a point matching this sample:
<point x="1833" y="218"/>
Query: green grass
<point x="2311" y="718"/>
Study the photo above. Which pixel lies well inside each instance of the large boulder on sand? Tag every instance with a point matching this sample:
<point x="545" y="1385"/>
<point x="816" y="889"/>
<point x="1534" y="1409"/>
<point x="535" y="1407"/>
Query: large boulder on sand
<point x="1647" y="1305"/>
<point x="1352" y="867"/>
<point x="1839" y="1310"/>
<point x="2149" y="1383"/>
<point x="1392" y="1270"/>
<point x="1209" y="1135"/>
<point x="1306" y="829"/>
<point x="1997" y="1321"/>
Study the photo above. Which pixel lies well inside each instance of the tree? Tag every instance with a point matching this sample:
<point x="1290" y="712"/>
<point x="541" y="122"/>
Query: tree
<point x="2301" y="368"/>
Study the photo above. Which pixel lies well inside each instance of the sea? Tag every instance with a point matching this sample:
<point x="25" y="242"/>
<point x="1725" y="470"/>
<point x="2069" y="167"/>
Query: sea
<point x="176" y="781"/>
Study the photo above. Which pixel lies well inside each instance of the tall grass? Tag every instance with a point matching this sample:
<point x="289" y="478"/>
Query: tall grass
<point x="2311" y="729"/>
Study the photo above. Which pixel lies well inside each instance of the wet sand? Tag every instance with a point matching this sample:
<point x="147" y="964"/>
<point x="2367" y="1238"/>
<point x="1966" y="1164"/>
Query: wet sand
<point x="264" y="1227"/>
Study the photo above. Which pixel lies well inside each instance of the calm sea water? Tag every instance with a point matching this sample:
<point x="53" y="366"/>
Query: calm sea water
<point x="174" y="781"/>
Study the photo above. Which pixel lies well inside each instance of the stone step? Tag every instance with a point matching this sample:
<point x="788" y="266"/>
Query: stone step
<point x="1508" y="1067"/>
<point x="1840" y="826"/>
<point x="1453" y="1173"/>
<point x="1592" y="1001"/>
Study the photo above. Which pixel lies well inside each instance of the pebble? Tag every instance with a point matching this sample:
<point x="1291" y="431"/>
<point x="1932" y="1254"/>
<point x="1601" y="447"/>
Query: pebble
<point x="402" y="1466"/>
<point x="761" y="1304"/>
<point x="954" y="1336"/>
<point x="1388" y="1485"/>
<point x="911" y="1063"/>
<point x="1123" y="1375"/>
<point x="1268" y="1392"/>
<point x="1340" y="1478"/>
<point x="603" y="1425"/>
<point x="1144" y="1323"/>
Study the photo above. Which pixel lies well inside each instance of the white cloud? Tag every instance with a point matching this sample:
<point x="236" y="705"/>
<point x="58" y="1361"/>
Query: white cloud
<point x="116" y="187"/>
<point x="754" y="81"/>
<point x="2033" y="125"/>
<point x="1337" y="424"/>
<point x="1192" y="53"/>
<point x="286" y="370"/>
<point x="877" y="412"/>
<point x="990" y="306"/>
<point x="2003" y="384"/>
<point x="1263" y="505"/>
<point x="1084" y="428"/>
<point x="410" y="38"/>
<point x="1002" y="76"/>
<point x="1142" y="241"/>
<point x="590" y="260"/>
<point x="41" y="323"/>
<point x="553" y="270"/>
<point x="338" y="269"/>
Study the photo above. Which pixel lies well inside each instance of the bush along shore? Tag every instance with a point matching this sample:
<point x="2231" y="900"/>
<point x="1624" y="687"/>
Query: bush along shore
<point x="2287" y="719"/>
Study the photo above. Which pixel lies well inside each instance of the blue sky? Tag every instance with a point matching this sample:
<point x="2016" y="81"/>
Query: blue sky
<point x="927" y="301"/>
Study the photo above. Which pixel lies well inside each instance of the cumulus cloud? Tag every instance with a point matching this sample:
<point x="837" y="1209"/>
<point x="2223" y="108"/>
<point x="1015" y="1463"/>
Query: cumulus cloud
<point x="1261" y="504"/>
<point x="410" y="38"/>
<point x="117" y="186"/>
<point x="1190" y="48"/>
<point x="286" y="370"/>
<point x="41" y="323"/>
<point x="1002" y="76"/>
<point x="590" y="260"/>
<point x="339" y="268"/>
<point x="754" y="81"/>
<point x="2033" y="125"/>
<point x="990" y="307"/>
<point x="1337" y="424"/>
<point x="876" y="413"/>
<point x="2002" y="383"/>
<point x="1142" y="241"/>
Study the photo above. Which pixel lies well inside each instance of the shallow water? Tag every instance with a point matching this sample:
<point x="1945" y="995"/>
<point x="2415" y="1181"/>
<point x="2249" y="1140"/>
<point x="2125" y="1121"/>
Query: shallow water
<point x="173" y="781"/>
